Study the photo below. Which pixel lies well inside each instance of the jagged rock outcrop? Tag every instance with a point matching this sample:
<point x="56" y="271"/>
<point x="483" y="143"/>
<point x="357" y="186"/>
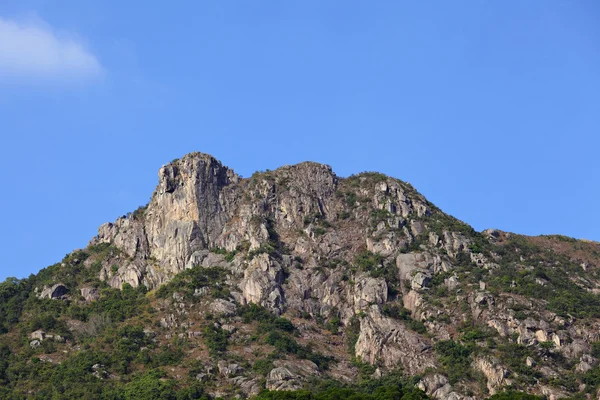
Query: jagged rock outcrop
<point x="90" y="294"/>
<point x="386" y="340"/>
<point x="291" y="375"/>
<point x="56" y="291"/>
<point x="262" y="282"/>
<point x="495" y="374"/>
<point x="187" y="213"/>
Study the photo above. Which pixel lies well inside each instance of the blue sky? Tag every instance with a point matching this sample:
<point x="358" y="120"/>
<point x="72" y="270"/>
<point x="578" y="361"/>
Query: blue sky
<point x="489" y="108"/>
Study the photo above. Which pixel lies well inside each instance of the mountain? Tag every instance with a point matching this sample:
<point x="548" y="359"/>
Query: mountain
<point x="299" y="284"/>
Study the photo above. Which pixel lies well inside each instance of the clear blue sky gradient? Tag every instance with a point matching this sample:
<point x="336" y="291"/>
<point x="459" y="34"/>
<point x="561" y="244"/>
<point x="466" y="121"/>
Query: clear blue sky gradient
<point x="491" y="109"/>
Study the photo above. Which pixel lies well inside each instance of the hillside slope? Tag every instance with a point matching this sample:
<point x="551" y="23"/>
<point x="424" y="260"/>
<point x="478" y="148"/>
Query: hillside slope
<point x="298" y="279"/>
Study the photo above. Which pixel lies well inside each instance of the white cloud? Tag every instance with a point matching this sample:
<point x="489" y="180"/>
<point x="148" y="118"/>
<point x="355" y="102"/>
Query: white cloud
<point x="33" y="50"/>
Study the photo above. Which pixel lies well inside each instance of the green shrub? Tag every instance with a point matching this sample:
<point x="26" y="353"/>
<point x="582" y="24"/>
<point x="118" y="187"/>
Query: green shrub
<point x="390" y="387"/>
<point x="194" y="278"/>
<point x="216" y="340"/>
<point x="455" y="358"/>
<point x="510" y="395"/>
<point x="151" y="386"/>
<point x="13" y="295"/>
<point x="267" y="321"/>
<point x="400" y="313"/>
<point x="118" y="305"/>
<point x="263" y="366"/>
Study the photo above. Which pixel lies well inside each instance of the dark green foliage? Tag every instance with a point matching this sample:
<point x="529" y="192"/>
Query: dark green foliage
<point x="391" y="387"/>
<point x="455" y="358"/>
<point x="373" y="264"/>
<point x="592" y="377"/>
<point x="351" y="199"/>
<point x="194" y="278"/>
<point x="229" y="255"/>
<point x="472" y="332"/>
<point x="365" y="370"/>
<point x="13" y="294"/>
<point x="378" y="216"/>
<point x="131" y="339"/>
<point x="440" y="222"/>
<point x="596" y="349"/>
<point x="267" y="321"/>
<point x="263" y="366"/>
<point x="5" y="354"/>
<point x="119" y="305"/>
<point x="282" y="342"/>
<point x="72" y="379"/>
<point x="333" y="324"/>
<point x="267" y="248"/>
<point x="400" y="313"/>
<point x="149" y="386"/>
<point x="366" y="261"/>
<point x="514" y="355"/>
<point x="195" y="391"/>
<point x="510" y="395"/>
<point x="286" y="344"/>
<point x="167" y="355"/>
<point x="563" y="295"/>
<point x="562" y="238"/>
<point x="139" y="213"/>
<point x="352" y="332"/>
<point x="343" y="215"/>
<point x="216" y="340"/>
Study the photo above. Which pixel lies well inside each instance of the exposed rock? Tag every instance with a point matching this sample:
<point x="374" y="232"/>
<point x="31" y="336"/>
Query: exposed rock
<point x="57" y="291"/>
<point x="289" y="240"/>
<point x="250" y="387"/>
<point x="127" y="234"/>
<point x="586" y="363"/>
<point x="452" y="282"/>
<point x="90" y="294"/>
<point x="99" y="372"/>
<point x="420" y="281"/>
<point x="291" y="375"/>
<point x="223" y="307"/>
<point x="369" y="291"/>
<point x="229" y="369"/>
<point x="499" y="326"/>
<point x="549" y="372"/>
<point x="262" y="282"/>
<point x="39" y="335"/>
<point x="389" y="341"/>
<point x="412" y="300"/>
<point x="437" y="386"/>
<point x="483" y="298"/>
<point x="409" y="263"/>
<point x="170" y="321"/>
<point x="495" y="374"/>
<point x="132" y="274"/>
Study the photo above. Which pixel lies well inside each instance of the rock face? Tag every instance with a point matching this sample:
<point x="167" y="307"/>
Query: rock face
<point x="90" y="294"/>
<point x="390" y="341"/>
<point x="262" y="282"/>
<point x="291" y="375"/>
<point x="187" y="213"/>
<point x="496" y="375"/>
<point x="54" y="292"/>
<point x="365" y="257"/>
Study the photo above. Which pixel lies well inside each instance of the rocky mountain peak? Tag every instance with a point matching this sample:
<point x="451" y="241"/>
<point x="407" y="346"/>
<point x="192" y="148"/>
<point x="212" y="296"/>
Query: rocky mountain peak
<point x="332" y="277"/>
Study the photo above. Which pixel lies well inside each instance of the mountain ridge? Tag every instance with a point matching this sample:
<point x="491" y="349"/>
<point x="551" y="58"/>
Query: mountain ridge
<point x="297" y="276"/>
